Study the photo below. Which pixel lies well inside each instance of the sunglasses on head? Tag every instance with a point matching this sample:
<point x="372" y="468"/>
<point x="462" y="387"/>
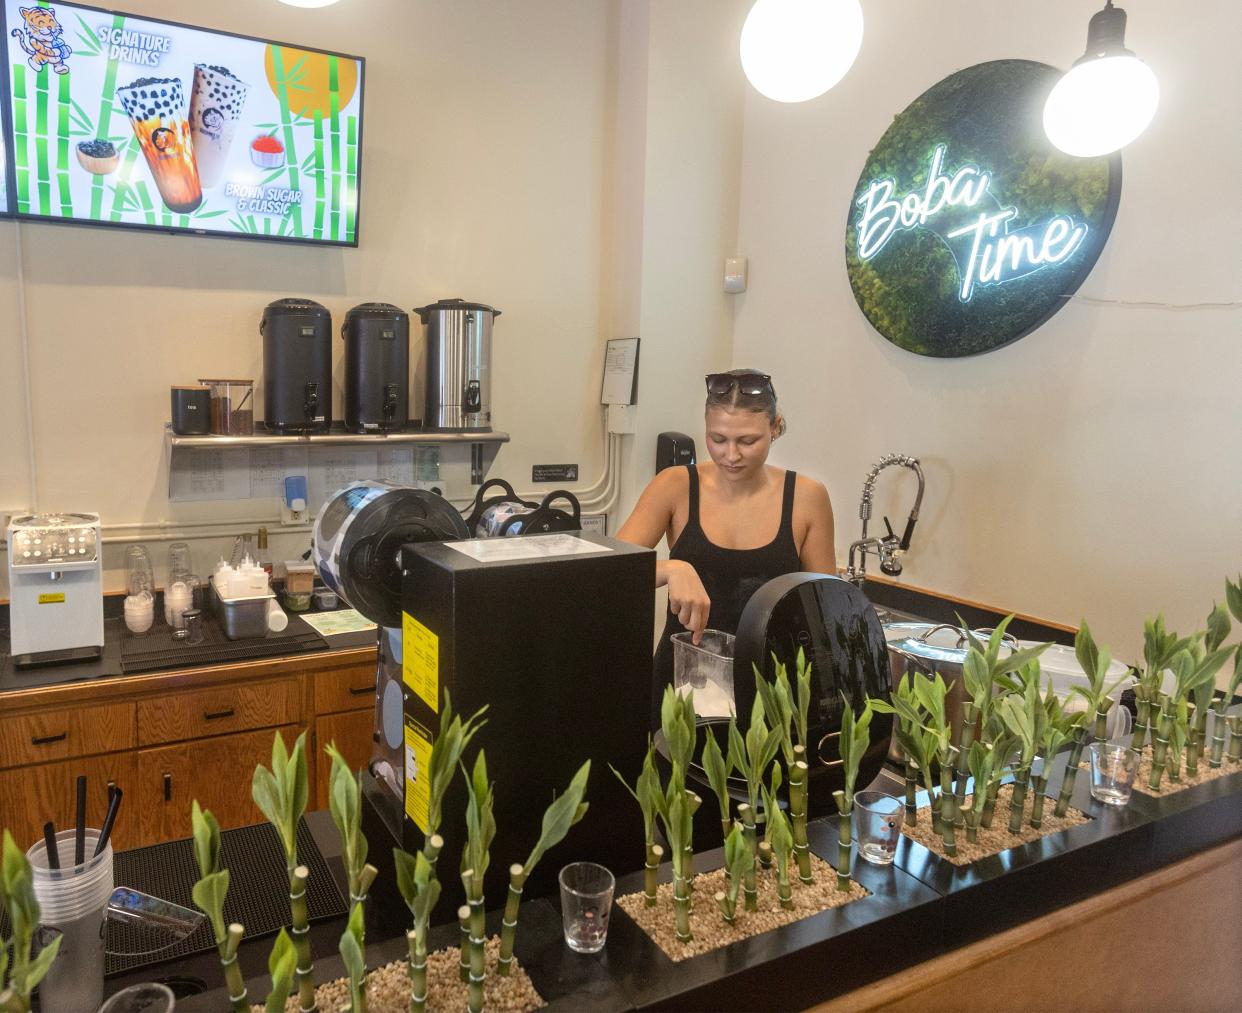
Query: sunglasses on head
<point x="746" y="383"/>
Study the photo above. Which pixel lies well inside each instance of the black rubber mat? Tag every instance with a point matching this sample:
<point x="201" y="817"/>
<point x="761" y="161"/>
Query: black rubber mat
<point x="258" y="894"/>
<point x="157" y="649"/>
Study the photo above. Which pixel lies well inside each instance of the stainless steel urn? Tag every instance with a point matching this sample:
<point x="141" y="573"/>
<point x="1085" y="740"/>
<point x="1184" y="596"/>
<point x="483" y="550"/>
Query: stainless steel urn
<point x="459" y="364"/>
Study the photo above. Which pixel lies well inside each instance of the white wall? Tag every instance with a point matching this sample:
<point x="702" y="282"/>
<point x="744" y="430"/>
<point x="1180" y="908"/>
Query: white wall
<point x="1094" y="468"/>
<point x="486" y="144"/>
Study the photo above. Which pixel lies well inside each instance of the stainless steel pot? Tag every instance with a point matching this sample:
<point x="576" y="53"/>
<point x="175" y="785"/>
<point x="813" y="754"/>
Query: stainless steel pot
<point x="934" y="649"/>
<point x="459" y="364"/>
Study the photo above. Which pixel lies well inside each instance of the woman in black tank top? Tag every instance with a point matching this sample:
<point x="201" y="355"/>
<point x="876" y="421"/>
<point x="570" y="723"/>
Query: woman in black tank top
<point x="709" y="583"/>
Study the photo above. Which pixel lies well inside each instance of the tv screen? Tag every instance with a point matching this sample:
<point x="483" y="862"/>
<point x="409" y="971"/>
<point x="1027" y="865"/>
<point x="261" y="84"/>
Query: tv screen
<point x="120" y="120"/>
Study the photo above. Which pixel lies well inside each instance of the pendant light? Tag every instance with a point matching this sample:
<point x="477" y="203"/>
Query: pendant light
<point x="1108" y="97"/>
<point x="309" y="3"/>
<point x="795" y="50"/>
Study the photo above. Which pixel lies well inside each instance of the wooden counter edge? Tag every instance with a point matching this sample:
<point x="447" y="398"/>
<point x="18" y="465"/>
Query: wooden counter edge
<point x="109" y="687"/>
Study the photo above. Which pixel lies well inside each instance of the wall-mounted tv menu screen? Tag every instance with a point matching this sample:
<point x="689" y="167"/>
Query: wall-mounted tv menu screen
<point x="121" y="120"/>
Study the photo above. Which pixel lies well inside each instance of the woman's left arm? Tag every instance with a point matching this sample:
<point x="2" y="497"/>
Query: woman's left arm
<point x="819" y="551"/>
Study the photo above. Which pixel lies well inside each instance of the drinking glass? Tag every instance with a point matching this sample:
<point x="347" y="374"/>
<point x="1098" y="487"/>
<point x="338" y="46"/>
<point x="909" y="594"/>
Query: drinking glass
<point x="877" y="820"/>
<point x="1113" y="769"/>
<point x="156" y="110"/>
<point x="148" y="997"/>
<point x="179" y="561"/>
<point x="586" y="903"/>
<point x="138" y="569"/>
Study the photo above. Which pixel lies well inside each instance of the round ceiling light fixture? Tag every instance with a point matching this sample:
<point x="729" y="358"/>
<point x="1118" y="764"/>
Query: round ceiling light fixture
<point x="1108" y="97"/>
<point x="795" y="50"/>
<point x="309" y="3"/>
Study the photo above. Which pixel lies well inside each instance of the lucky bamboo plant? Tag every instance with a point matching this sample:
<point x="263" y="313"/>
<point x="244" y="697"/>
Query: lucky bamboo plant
<point x="1202" y="694"/>
<point x="780" y="837"/>
<point x="855" y="738"/>
<point x="646" y="792"/>
<point x="1221" y="704"/>
<point x="1057" y="729"/>
<point x="739" y="861"/>
<point x="446" y="752"/>
<point x="717" y="770"/>
<point x="1094" y="660"/>
<point x="209" y="893"/>
<point x="282" y="965"/>
<point x="1159" y="647"/>
<point x="345" y="806"/>
<point x="562" y="814"/>
<point x="981" y="762"/>
<point x="750" y="756"/>
<point x="681" y="731"/>
<point x="781" y="712"/>
<point x="18" y="900"/>
<point x="420" y="890"/>
<point x="475" y="858"/>
<point x="923" y="734"/>
<point x="1023" y="715"/>
<point x="281" y="795"/>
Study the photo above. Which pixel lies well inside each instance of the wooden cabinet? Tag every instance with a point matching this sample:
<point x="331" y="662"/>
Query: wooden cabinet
<point x="216" y="771"/>
<point x="30" y="796"/>
<point x="218" y="711"/>
<point x="351" y="732"/>
<point x="345" y="689"/>
<point x="64" y="732"/>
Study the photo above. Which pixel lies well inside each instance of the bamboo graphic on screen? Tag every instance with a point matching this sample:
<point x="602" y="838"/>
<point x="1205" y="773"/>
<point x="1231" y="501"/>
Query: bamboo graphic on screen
<point x="41" y="157"/>
<point x="351" y="178"/>
<point x="103" y="125"/>
<point x="21" y="141"/>
<point x="334" y="105"/>
<point x="320" y="177"/>
<point x="283" y="82"/>
<point x="62" y="146"/>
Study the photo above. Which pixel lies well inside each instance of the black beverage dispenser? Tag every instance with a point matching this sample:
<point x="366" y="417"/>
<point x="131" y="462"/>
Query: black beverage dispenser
<point x="297" y="366"/>
<point x="377" y="368"/>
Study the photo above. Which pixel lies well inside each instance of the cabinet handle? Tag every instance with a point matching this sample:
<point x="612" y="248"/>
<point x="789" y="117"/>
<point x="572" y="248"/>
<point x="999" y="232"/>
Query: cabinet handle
<point x="361" y="690"/>
<point x="216" y="715"/>
<point x="43" y="740"/>
<point x="168" y="787"/>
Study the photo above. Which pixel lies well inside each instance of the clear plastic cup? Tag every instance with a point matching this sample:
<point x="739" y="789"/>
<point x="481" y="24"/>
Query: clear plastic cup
<point x="73" y="900"/>
<point x="1113" y="769"/>
<point x="877" y="821"/>
<point x="586" y="903"/>
<point x="706" y="668"/>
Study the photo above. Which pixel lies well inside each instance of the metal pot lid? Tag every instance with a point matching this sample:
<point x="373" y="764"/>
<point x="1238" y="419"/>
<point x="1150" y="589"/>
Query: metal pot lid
<point x="448" y="305"/>
<point x="65" y="520"/>
<point x="375" y="309"/>
<point x="944" y="643"/>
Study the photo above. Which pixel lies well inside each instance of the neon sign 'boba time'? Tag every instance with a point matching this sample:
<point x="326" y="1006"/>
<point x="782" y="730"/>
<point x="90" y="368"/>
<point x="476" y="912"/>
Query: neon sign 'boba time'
<point x="987" y="253"/>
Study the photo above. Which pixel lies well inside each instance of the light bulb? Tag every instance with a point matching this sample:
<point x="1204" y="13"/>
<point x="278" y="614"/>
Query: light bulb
<point x="795" y="50"/>
<point x="309" y="3"/>
<point x="1101" y="105"/>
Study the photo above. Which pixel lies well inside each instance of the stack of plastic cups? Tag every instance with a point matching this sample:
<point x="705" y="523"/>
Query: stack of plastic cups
<point x="178" y="596"/>
<point x="139" y="612"/>
<point x="74" y="901"/>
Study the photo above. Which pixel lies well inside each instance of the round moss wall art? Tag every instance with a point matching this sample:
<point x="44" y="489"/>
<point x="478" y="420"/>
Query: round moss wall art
<point x="967" y="229"/>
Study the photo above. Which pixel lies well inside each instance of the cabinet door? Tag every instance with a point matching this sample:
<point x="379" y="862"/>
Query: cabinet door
<point x="30" y="796"/>
<point x="351" y="732"/>
<point x="216" y="771"/>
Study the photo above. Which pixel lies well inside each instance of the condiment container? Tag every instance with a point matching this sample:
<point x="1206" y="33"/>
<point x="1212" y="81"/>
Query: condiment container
<point x="325" y="599"/>
<point x="298" y="601"/>
<point x="232" y="407"/>
<point x="299" y="576"/>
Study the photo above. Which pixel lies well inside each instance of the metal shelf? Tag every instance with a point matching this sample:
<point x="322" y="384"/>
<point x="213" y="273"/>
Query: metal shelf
<point x="333" y="439"/>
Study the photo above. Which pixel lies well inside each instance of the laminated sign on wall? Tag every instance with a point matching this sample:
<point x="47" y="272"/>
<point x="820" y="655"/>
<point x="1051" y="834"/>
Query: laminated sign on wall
<point x="967" y="228"/>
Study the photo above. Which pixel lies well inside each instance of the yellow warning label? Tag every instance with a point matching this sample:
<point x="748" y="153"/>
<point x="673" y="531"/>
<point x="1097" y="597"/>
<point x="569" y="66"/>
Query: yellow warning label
<point x="420" y="660"/>
<point x="52" y="599"/>
<point x="417" y="770"/>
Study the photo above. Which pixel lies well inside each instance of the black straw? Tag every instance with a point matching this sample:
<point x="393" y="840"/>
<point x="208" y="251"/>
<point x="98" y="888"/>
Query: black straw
<point x="79" y="844"/>
<point x="114" y="804"/>
<point x="49" y="842"/>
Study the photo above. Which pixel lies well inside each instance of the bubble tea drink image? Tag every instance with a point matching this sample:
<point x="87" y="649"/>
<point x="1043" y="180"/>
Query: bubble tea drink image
<point x="155" y="107"/>
<point x="216" y="102"/>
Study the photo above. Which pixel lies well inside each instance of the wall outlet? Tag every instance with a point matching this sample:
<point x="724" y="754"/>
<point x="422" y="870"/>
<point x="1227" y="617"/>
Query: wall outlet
<point x="290" y="516"/>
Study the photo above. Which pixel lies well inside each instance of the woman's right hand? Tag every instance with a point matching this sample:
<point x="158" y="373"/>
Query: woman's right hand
<point x="687" y="598"/>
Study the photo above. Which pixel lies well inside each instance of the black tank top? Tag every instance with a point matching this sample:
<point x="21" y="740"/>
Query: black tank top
<point x="730" y="576"/>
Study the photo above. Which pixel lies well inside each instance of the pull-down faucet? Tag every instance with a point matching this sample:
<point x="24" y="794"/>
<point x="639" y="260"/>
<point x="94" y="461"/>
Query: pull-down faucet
<point x="888" y="548"/>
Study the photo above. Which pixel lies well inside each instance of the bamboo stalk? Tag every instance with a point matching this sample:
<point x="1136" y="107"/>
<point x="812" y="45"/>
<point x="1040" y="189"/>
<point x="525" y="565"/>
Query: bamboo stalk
<point x="1141" y="719"/>
<point x="232" y="972"/>
<point x="286" y="123"/>
<point x="41" y="158"/>
<point x="970" y="714"/>
<point x="989" y="805"/>
<point x="1071" y="772"/>
<point x="1160" y="747"/>
<point x="334" y="110"/>
<point x="1218" y="733"/>
<point x="300" y="932"/>
<point x="750" y="891"/>
<point x="651" y="874"/>
<point x="1017" y="802"/>
<point x="320" y="176"/>
<point x="351" y="177"/>
<point x="681" y="907"/>
<point x="726" y="909"/>
<point x="688" y="851"/>
<point x="948" y="806"/>
<point x="463" y="963"/>
<point x="1100" y="731"/>
<point x="800" y="774"/>
<point x="912" y="794"/>
<point x="508" y="924"/>
<point x="1235" y="739"/>
<point x="477" y="938"/>
<point x="418" y="972"/>
<point x="103" y="126"/>
<point x="62" y="146"/>
<point x="1037" y="808"/>
<point x="844" y="840"/>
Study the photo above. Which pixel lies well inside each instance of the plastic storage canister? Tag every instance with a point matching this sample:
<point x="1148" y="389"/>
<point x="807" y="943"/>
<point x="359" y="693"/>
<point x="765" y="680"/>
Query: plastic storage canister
<point x="73" y="899"/>
<point x="232" y="407"/>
